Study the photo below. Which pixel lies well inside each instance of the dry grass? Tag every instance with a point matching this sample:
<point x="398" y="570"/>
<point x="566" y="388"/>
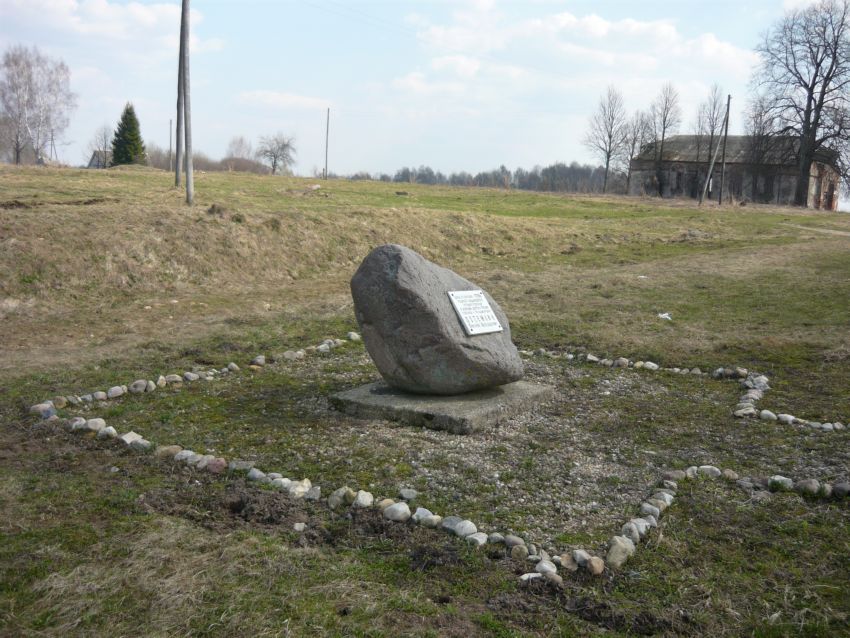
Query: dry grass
<point x="85" y="552"/>
<point x="169" y="573"/>
<point x="92" y="260"/>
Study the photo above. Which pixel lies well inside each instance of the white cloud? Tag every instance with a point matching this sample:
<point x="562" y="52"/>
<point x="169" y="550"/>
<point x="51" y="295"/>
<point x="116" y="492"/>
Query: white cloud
<point x="461" y="65"/>
<point x="155" y="25"/>
<point x="416" y="82"/>
<point x="589" y="44"/>
<point x="281" y="100"/>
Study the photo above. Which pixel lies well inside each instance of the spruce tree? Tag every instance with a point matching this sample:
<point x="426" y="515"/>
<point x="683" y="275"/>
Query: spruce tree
<point x="127" y="145"/>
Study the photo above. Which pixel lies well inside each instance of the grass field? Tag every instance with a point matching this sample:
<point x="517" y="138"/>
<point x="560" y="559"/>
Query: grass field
<point x="106" y="277"/>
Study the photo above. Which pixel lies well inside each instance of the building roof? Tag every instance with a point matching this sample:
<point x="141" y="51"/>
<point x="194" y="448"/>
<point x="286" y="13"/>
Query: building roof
<point x="100" y="159"/>
<point x="777" y="150"/>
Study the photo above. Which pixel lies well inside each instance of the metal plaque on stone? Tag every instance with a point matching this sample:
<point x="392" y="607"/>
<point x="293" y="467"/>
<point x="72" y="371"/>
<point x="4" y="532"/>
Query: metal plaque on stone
<point x="474" y="312"/>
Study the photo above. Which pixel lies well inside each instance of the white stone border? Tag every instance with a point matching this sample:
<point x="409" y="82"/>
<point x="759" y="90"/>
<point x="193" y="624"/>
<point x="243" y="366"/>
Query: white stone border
<point x="619" y="549"/>
<point x="755" y="385"/>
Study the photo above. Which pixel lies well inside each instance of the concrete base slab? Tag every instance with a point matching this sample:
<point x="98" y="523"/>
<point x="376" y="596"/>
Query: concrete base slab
<point x="460" y="414"/>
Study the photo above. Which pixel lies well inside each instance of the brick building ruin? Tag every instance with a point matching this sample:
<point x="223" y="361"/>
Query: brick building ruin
<point x="757" y="169"/>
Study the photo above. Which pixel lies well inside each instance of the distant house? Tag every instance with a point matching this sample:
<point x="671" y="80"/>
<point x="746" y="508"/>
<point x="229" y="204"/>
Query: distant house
<point x="100" y="159"/>
<point x="758" y="169"/>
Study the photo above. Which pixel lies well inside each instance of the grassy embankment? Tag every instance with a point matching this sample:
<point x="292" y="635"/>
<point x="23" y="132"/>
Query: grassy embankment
<point x="107" y="277"/>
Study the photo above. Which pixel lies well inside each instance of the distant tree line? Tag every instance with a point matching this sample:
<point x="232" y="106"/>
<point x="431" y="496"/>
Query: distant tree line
<point x="558" y="177"/>
<point x="274" y="155"/>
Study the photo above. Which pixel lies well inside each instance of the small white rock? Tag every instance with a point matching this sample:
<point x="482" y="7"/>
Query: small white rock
<point x="642" y="526"/>
<point x="138" y="386"/>
<point x="649" y="510"/>
<point x="631" y="532"/>
<point x="300" y="488"/>
<point x="465" y="528"/>
<point x="478" y="539"/>
<point x="663" y="496"/>
<point x="96" y="425"/>
<point x="431" y="522"/>
<point x="421" y="513"/>
<point x="141" y="445"/>
<point x="779" y="482"/>
<point x="364" y="499"/>
<point x="398" y="512"/>
<point x="709" y="471"/>
<point x="281" y="483"/>
<point x="129" y="437"/>
<point x="108" y="432"/>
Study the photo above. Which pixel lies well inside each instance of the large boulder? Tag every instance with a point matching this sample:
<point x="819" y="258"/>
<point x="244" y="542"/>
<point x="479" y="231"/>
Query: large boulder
<point x="413" y="333"/>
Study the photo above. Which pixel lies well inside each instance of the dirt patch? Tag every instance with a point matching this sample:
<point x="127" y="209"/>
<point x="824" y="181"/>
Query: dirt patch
<point x="824" y="231"/>
<point x="18" y="204"/>
<point x="234" y="505"/>
<point x="536" y="598"/>
<point x="426" y="557"/>
<point x="13" y="204"/>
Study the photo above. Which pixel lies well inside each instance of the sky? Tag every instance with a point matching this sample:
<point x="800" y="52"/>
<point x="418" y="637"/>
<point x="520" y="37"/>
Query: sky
<point x="454" y="85"/>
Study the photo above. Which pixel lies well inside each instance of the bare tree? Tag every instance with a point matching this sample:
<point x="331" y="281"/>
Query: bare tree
<point x="805" y="74"/>
<point x="606" y="135"/>
<point x="699" y="130"/>
<point x="35" y="100"/>
<point x="6" y="153"/>
<point x="278" y="151"/>
<point x="101" y="142"/>
<point x="713" y="110"/>
<point x="635" y="136"/>
<point x="157" y="157"/>
<point x="238" y="149"/>
<point x="765" y="145"/>
<point x="666" y="116"/>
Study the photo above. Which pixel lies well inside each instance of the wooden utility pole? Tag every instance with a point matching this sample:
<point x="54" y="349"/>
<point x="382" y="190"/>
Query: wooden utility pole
<point x="723" y="161"/>
<point x="187" y="105"/>
<point x="170" y="130"/>
<point x="327" y="133"/>
<point x="714" y="157"/>
<point x="178" y="156"/>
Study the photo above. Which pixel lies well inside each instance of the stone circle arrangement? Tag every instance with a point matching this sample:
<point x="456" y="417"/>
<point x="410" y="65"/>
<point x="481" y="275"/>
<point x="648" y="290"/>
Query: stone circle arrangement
<point x="753" y="384"/>
<point x="542" y="563"/>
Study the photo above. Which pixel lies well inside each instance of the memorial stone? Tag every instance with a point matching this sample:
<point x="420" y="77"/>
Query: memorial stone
<point x="429" y="330"/>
